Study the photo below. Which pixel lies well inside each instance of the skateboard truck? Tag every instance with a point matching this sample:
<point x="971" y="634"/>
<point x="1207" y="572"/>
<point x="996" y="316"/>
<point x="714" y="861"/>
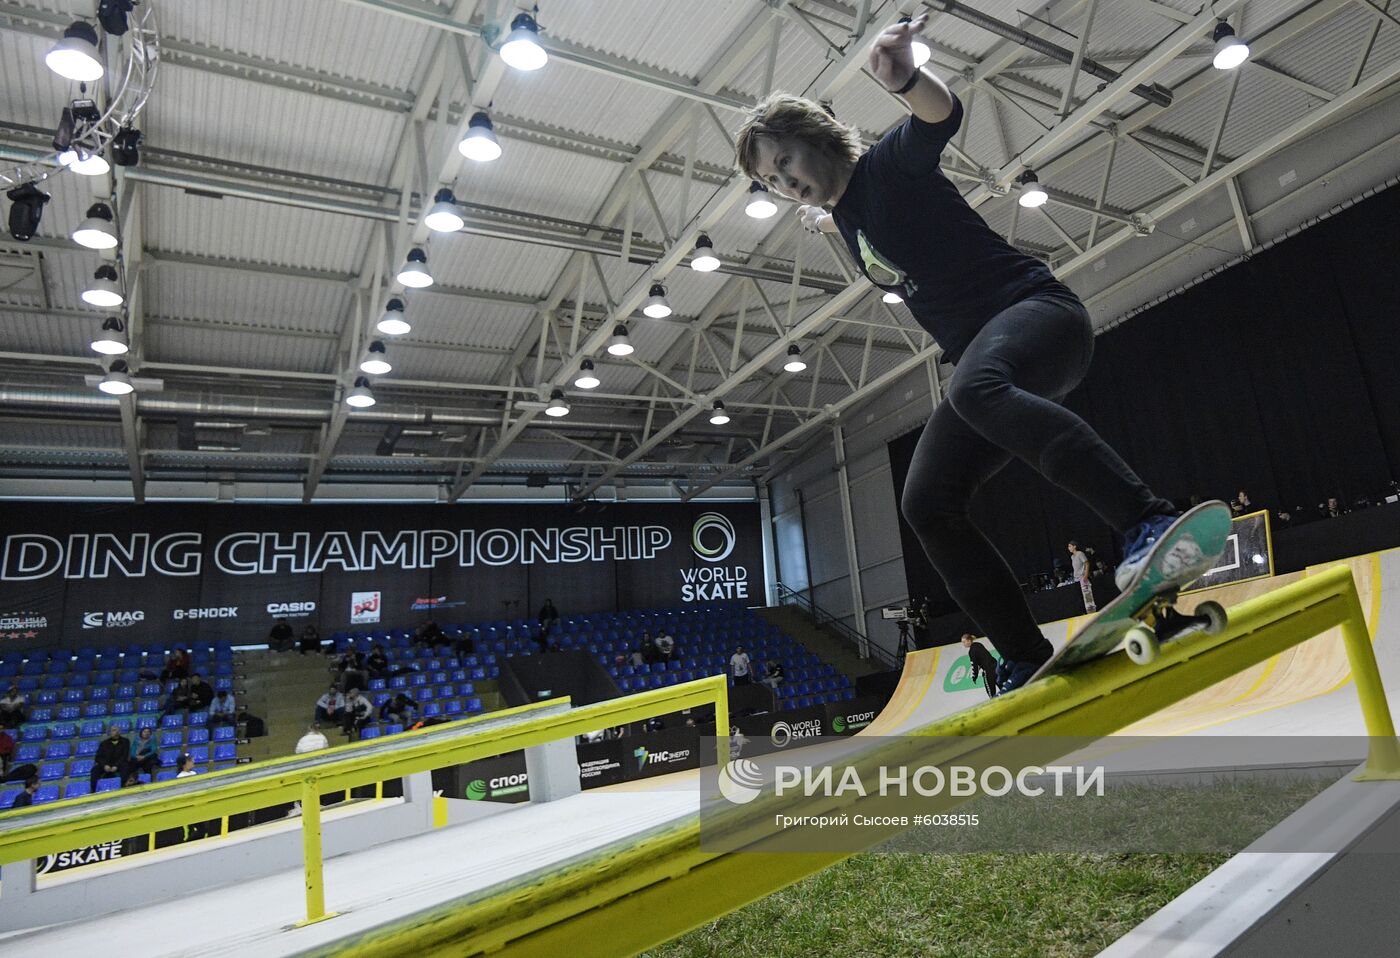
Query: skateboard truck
<point x="1160" y="621"/>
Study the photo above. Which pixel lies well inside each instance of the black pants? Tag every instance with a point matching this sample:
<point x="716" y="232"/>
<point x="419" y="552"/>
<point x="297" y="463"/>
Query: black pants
<point x="1003" y="401"/>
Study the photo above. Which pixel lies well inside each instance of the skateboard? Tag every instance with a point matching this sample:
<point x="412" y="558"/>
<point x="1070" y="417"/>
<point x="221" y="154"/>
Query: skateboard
<point x="1145" y="614"/>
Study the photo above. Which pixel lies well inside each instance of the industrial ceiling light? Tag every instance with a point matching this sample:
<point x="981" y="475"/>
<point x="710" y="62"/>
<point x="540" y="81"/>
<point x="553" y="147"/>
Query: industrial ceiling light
<point x="919" y="47"/>
<point x="718" y="417"/>
<point x="760" y="207"/>
<point x="75" y="57"/>
<point x="794" y="362"/>
<point x="522" y="48"/>
<point x="82" y="162"/>
<point x="892" y="298"/>
<point x="415" y="273"/>
<point x="1032" y="195"/>
<point x="97" y="231"/>
<point x="558" y="406"/>
<point x="117" y="382"/>
<point x="111" y="341"/>
<point x="1230" y="50"/>
<point x="360" y="397"/>
<point x="656" y="305"/>
<point x="479" y="142"/>
<point x="376" y="361"/>
<point x="704" y="259"/>
<point x="443" y="216"/>
<point x="586" y="378"/>
<point x="393" y="323"/>
<point x="620" y="345"/>
<point x="26" y="211"/>
<point x="103" y="291"/>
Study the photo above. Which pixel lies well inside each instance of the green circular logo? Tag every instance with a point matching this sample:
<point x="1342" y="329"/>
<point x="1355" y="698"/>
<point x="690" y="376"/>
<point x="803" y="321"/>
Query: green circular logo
<point x="476" y="791"/>
<point x="838" y="724"/>
<point x="716" y="525"/>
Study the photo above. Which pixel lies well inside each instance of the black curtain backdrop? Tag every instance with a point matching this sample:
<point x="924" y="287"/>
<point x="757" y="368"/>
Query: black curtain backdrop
<point x="1280" y="376"/>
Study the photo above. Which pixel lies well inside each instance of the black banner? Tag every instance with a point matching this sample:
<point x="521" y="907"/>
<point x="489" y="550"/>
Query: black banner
<point x="90" y="574"/>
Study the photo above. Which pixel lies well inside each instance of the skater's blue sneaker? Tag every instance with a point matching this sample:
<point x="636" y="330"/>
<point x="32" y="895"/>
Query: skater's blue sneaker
<point x="1137" y="544"/>
<point x="1015" y="675"/>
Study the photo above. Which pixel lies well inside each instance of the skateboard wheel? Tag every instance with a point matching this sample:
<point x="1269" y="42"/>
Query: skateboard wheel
<point x="1141" y="645"/>
<point x="1215" y="616"/>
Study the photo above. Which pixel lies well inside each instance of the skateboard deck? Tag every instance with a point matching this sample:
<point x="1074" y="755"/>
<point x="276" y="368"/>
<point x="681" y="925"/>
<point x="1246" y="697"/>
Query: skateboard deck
<point x="1189" y="548"/>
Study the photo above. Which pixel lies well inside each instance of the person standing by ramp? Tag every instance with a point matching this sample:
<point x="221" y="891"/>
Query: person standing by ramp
<point x="1080" y="564"/>
<point x="983" y="662"/>
<point x="1020" y="339"/>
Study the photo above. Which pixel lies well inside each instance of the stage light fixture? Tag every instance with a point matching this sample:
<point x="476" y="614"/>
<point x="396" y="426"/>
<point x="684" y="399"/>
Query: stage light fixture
<point x="414" y="273"/>
<point x="620" y="345"/>
<point x="75" y="57"/>
<point x="522" y="48"/>
<point x="126" y="147"/>
<point x="117" y="382"/>
<point x="656" y="305"/>
<point x="360" y="397"/>
<point x="443" y="217"/>
<point x="97" y="231"/>
<point x="795" y="363"/>
<point x="1032" y="195"/>
<point x="1230" y="50"/>
<point x="376" y="361"/>
<point x="558" y="406"/>
<point x="718" y="417"/>
<point x="586" y="378"/>
<point x="479" y="143"/>
<point x="104" y="291"/>
<point x="111" y="341"/>
<point x="393" y="323"/>
<point x="759" y="206"/>
<point x="26" y="210"/>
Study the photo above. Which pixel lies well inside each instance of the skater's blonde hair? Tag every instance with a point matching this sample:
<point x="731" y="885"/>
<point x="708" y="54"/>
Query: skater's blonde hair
<point x="784" y="115"/>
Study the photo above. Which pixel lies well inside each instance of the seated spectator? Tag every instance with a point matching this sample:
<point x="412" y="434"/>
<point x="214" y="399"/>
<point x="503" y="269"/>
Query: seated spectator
<point x="637" y="658"/>
<point x="14" y="708"/>
<point x="111" y="757"/>
<point x="195" y="830"/>
<point x="7" y="752"/>
<point x="1284" y="518"/>
<point x="399" y="709"/>
<point x="144" y="757"/>
<point x="352" y="671"/>
<point x="181" y="699"/>
<point x="312" y="741"/>
<point x="331" y="706"/>
<point x="279" y="637"/>
<point x="26" y="798"/>
<point x="1241" y="504"/>
<point x="185" y="766"/>
<point x="201" y="692"/>
<point x="222" y="710"/>
<point x="740" y="667"/>
<point x="1332" y="508"/>
<point x="378" y="663"/>
<point x="549" y="616"/>
<point x="358" y="711"/>
<point x="665" y="646"/>
<point x="648" y="647"/>
<point x="177" y="665"/>
<point x="310" y="640"/>
<point x="773" y="675"/>
<point x="430" y="634"/>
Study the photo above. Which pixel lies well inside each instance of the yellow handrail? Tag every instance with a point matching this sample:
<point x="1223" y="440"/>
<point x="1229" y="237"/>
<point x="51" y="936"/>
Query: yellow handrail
<point x="93" y="819"/>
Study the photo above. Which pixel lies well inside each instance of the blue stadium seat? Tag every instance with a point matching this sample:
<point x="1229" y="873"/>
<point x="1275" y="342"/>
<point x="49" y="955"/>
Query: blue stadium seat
<point x="47" y="697"/>
<point x="170" y="757"/>
<point x="199" y="718"/>
<point x="369" y="733"/>
<point x="33" y="733"/>
<point x="198" y="736"/>
<point x="224" y="733"/>
<point x="165" y="775"/>
<point x="73" y="695"/>
<point x="46" y="793"/>
<point x="53" y="771"/>
<point x="76" y="789"/>
<point x="127" y="707"/>
<point x="172" y="738"/>
<point x="200" y="753"/>
<point x="148" y="706"/>
<point x="173" y="721"/>
<point x="56" y="751"/>
<point x="226" y="752"/>
<point x="109" y="784"/>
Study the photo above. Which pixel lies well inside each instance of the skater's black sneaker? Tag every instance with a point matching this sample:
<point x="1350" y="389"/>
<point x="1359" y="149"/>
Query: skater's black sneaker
<point x="1016" y="674"/>
<point x="1136" y="545"/>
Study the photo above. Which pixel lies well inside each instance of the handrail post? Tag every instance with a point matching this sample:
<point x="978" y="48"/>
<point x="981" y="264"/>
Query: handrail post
<point x="311" y="851"/>
<point x="1383" y="754"/>
<point x="722" y="722"/>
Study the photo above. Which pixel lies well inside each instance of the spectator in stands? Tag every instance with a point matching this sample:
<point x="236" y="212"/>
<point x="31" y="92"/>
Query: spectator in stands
<point x="310" y="640"/>
<point x="773" y="675"/>
<point x="655" y="724"/>
<point x="181" y="699"/>
<point x="195" y="830"/>
<point x="463" y="645"/>
<point x="143" y="757"/>
<point x="430" y="634"/>
<point x="378" y="663"/>
<point x="541" y="638"/>
<point x="7" y="752"/>
<point x="312" y="741"/>
<point x="177" y="665"/>
<point x="110" y="758"/>
<point x="1079" y="563"/>
<point x="665" y="646"/>
<point x="549" y="616"/>
<point x="399" y="709"/>
<point x="1241" y="504"/>
<point x="637" y="657"/>
<point x="331" y="706"/>
<point x="185" y="765"/>
<point x="358" y="711"/>
<point x="201" y="692"/>
<point x="26" y="798"/>
<point x="353" y="673"/>
<point x="279" y="637"/>
<point x="14" y="708"/>
<point x="1332" y="508"/>
<point x="982" y="662"/>
<point x="222" y="710"/>
<point x="1284" y="518"/>
<point x="648" y="648"/>
<point x="740" y="667"/>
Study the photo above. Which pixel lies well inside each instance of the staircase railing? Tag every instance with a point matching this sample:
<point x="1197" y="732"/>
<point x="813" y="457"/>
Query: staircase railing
<point x="824" y="619"/>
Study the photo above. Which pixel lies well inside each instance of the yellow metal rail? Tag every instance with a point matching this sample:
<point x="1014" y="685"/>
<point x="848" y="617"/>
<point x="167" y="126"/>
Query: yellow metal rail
<point x="625" y="899"/>
<point x="94" y="819"/>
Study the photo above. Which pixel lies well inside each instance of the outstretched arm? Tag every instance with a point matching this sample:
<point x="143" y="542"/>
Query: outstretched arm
<point x="892" y="64"/>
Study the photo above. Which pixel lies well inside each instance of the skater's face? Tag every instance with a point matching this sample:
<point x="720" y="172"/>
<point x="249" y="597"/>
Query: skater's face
<point x="798" y="171"/>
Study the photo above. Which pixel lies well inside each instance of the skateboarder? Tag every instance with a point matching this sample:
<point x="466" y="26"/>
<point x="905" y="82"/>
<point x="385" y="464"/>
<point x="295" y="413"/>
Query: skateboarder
<point x="982" y="662"/>
<point x="1019" y="338"/>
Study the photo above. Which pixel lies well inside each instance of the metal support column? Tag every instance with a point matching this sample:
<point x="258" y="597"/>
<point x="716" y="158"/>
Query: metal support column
<point x="849" y="529"/>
